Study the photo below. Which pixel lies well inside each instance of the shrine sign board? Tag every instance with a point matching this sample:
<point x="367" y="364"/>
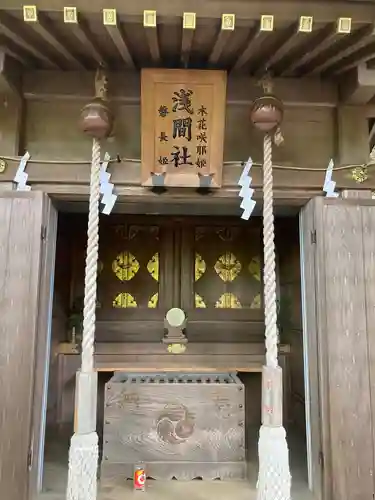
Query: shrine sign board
<point x="183" y="121"/>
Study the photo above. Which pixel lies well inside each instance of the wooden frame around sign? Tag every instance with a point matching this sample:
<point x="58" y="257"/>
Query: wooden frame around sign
<point x="151" y="82"/>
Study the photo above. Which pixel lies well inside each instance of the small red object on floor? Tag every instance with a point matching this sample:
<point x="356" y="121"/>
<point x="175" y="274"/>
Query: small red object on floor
<point x="139" y="477"/>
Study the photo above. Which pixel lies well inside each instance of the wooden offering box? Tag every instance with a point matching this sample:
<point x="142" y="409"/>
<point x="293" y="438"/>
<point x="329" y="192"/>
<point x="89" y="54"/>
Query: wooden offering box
<point x="181" y="426"/>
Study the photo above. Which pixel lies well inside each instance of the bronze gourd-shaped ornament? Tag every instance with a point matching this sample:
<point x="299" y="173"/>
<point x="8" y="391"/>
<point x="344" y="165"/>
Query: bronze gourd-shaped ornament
<point x="96" y="118"/>
<point x="267" y="111"/>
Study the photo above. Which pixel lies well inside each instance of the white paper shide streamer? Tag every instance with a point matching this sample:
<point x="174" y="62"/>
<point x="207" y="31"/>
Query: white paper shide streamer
<point x="330" y="185"/>
<point x="246" y="192"/>
<point x="20" y="179"/>
<point x="108" y="199"/>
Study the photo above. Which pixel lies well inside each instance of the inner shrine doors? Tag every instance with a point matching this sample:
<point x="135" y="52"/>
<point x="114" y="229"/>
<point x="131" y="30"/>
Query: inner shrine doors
<point x="338" y="291"/>
<point x="27" y="253"/>
<point x="209" y="267"/>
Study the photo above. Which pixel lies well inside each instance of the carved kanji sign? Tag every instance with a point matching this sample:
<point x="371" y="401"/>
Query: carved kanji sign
<point x="183" y="118"/>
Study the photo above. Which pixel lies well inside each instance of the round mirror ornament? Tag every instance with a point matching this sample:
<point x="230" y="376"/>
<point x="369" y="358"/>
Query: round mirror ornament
<point x="175" y="317"/>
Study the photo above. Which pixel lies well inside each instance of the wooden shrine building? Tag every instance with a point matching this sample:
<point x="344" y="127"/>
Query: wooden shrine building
<point x="184" y="75"/>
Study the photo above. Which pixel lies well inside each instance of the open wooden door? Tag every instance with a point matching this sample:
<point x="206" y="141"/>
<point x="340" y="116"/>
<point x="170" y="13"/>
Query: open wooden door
<point x="310" y="349"/>
<point x="339" y="290"/>
<point x="27" y="248"/>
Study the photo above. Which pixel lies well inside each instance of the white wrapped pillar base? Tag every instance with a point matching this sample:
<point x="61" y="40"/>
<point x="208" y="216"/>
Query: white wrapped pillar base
<point x="274" y="479"/>
<point x="83" y="466"/>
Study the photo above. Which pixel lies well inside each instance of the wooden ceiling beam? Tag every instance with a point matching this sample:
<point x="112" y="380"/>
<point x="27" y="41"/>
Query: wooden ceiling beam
<point x="359" y="39"/>
<point x="186" y="45"/>
<point x="324" y="38"/>
<point x="153" y="44"/>
<point x="255" y="38"/>
<point x="10" y="75"/>
<point x="225" y="33"/>
<point x="151" y="31"/>
<point x="117" y="35"/>
<point x="115" y="32"/>
<point x="361" y="56"/>
<point x="42" y="29"/>
<point x="358" y="85"/>
<point x="15" y="31"/>
<point x="82" y="33"/>
<point x="189" y="21"/>
<point x="285" y="11"/>
<point x="124" y="88"/>
<point x="16" y="52"/>
<point x="221" y="41"/>
<point x="290" y="39"/>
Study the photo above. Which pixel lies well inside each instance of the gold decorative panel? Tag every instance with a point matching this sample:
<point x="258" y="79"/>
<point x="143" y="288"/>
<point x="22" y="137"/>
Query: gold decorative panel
<point x="254" y="268"/>
<point x="128" y="267"/>
<point x="200" y="267"/>
<point x="153" y="302"/>
<point x="149" y="18"/>
<point x="228" y="301"/>
<point x="131" y="268"/>
<point x="109" y="17"/>
<point x="228" y="268"/>
<point x="305" y="24"/>
<point x="256" y="303"/>
<point x="125" y="266"/>
<point x="228" y="22"/>
<point x="70" y="15"/>
<point x="30" y="13"/>
<point x="199" y="302"/>
<point x="189" y="21"/>
<point x="153" y="266"/>
<point x="124" y="300"/>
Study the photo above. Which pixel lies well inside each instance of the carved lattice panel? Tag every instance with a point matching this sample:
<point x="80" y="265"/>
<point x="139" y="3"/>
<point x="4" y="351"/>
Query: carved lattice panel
<point x="227" y="269"/>
<point x="131" y="268"/>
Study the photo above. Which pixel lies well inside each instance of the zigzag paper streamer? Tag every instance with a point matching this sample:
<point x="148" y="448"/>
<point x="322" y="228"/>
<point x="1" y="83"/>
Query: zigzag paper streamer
<point x="21" y="176"/>
<point x="246" y="192"/>
<point x="106" y="187"/>
<point x="330" y="185"/>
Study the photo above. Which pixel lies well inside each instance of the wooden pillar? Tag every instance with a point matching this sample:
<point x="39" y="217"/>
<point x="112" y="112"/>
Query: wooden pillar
<point x="26" y="267"/>
<point x="11" y="106"/>
<point x="357" y="194"/>
<point x="338" y="257"/>
<point x="352" y="135"/>
<point x="11" y="111"/>
<point x="11" y="119"/>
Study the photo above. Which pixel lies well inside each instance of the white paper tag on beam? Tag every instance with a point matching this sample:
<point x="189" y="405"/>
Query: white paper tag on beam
<point x="106" y="187"/>
<point x="330" y="185"/>
<point x="20" y="179"/>
<point x="246" y="192"/>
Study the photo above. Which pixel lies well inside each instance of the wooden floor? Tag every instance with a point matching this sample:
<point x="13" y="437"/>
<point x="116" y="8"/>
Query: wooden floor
<point x="55" y="476"/>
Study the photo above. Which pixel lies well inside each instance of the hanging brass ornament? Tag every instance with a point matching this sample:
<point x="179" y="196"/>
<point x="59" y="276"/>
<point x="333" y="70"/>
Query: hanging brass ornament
<point x="267" y="111"/>
<point x="359" y="174"/>
<point x="3" y="165"/>
<point x="96" y="117"/>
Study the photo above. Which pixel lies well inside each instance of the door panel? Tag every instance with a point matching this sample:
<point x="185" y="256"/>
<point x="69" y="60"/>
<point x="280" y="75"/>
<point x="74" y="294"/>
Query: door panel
<point x="221" y="280"/>
<point x="135" y="278"/>
<point x="21" y="252"/>
<point x="310" y="349"/>
<point x="47" y="279"/>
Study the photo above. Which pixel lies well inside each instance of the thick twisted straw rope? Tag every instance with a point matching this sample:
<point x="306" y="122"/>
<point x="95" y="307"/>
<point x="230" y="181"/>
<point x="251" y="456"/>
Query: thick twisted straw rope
<point x="88" y="336"/>
<point x="270" y="311"/>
